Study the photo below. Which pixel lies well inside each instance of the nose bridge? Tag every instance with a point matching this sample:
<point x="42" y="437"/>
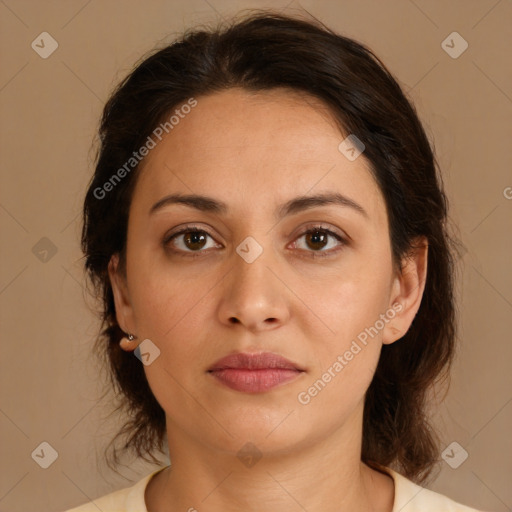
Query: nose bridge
<point x="253" y="295"/>
<point x="252" y="276"/>
<point x="250" y="266"/>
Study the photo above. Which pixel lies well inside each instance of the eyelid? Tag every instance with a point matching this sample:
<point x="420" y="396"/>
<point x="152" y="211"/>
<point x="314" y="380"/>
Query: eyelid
<point x="185" y="229"/>
<point x="322" y="226"/>
<point x="342" y="238"/>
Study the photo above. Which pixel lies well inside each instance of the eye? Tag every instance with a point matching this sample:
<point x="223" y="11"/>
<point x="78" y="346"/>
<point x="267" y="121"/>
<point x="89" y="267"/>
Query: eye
<point x="316" y="240"/>
<point x="190" y="239"/>
<point x="319" y="242"/>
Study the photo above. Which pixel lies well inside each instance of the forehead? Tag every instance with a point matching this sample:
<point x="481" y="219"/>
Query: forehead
<point x="244" y="147"/>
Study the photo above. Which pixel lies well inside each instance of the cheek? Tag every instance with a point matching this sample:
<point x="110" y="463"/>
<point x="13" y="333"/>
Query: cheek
<point x="351" y="302"/>
<point x="335" y="393"/>
<point x="346" y="359"/>
<point x="168" y="311"/>
<point x="166" y="298"/>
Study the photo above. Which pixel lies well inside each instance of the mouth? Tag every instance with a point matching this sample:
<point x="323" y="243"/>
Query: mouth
<point x="254" y="373"/>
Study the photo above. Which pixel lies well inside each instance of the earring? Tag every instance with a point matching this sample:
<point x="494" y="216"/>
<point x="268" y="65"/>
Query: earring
<point x="128" y="338"/>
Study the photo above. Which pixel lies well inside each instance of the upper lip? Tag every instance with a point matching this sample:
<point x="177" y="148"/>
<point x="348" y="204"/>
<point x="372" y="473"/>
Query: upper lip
<point x="264" y="360"/>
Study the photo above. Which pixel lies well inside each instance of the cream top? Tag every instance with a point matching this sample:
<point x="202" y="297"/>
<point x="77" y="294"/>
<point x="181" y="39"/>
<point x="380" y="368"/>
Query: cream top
<point x="409" y="497"/>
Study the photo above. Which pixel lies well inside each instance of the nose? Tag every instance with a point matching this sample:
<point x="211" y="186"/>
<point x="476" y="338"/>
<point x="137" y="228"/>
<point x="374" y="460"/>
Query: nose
<point x="253" y="296"/>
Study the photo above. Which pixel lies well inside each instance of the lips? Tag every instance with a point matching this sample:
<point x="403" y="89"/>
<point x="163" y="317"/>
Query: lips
<point x="265" y="360"/>
<point x="254" y="373"/>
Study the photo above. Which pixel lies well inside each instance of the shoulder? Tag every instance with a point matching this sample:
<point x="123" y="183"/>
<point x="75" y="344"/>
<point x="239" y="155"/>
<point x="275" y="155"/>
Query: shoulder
<point x="410" y="497"/>
<point x="128" y="499"/>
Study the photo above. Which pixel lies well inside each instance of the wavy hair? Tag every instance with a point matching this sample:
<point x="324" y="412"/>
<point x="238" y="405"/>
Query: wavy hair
<point x="263" y="51"/>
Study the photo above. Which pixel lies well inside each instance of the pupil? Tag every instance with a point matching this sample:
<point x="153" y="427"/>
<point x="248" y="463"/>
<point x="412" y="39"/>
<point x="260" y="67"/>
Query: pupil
<point x="317" y="237"/>
<point x="194" y="237"/>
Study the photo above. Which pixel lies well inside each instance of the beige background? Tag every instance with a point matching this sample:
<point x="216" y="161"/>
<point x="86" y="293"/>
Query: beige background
<point x="49" y="380"/>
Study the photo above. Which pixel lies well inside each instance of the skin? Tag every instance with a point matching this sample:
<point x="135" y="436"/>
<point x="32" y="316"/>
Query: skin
<point x="255" y="152"/>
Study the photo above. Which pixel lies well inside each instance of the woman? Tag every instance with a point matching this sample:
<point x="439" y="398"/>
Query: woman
<point x="267" y="229"/>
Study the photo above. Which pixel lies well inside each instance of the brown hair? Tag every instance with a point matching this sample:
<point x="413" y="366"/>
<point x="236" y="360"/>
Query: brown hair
<point x="264" y="51"/>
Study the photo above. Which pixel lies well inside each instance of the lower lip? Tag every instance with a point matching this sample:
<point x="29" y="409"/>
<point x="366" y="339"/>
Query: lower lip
<point x="254" y="381"/>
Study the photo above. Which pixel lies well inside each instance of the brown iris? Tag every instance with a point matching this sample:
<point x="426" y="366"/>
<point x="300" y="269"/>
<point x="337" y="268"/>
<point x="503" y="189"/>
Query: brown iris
<point x="316" y="239"/>
<point x="194" y="240"/>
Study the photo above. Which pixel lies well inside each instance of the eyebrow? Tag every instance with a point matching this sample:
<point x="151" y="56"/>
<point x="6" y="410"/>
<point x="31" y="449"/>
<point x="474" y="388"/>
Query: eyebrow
<point x="295" y="205"/>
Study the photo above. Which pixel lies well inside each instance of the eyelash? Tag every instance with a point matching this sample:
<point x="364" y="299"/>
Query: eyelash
<point x="311" y="230"/>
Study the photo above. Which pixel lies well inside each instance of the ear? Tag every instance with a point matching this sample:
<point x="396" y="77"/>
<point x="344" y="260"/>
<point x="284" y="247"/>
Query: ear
<point x="407" y="291"/>
<point x="124" y="310"/>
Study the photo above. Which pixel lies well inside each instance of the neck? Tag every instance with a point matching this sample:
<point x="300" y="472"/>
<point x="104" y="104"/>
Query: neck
<point x="315" y="478"/>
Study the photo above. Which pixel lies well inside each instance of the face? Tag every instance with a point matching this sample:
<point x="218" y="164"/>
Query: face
<point x="239" y="273"/>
